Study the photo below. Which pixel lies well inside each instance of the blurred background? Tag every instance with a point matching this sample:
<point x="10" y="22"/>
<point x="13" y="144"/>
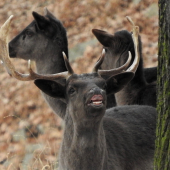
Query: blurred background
<point x="30" y="133"/>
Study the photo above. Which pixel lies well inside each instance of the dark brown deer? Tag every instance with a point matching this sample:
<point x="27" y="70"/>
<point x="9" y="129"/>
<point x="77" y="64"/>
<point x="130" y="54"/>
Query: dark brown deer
<point x="142" y="88"/>
<point x="43" y="41"/>
<point x="120" y="138"/>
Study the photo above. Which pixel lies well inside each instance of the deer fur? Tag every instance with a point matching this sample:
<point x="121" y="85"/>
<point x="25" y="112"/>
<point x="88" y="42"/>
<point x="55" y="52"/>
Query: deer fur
<point x="142" y="88"/>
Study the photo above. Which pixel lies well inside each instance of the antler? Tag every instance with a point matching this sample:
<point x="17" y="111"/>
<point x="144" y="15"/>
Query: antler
<point x="134" y="66"/>
<point x="135" y="35"/>
<point x="99" y="62"/>
<point x="4" y="30"/>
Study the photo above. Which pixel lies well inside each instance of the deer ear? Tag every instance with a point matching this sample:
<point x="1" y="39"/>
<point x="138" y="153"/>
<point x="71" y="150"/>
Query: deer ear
<point x="103" y="37"/>
<point x="117" y="83"/>
<point x="42" y="22"/>
<point x="48" y="13"/>
<point x="51" y="88"/>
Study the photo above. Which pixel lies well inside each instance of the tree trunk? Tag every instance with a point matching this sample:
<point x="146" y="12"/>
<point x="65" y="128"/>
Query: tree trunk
<point x="162" y="151"/>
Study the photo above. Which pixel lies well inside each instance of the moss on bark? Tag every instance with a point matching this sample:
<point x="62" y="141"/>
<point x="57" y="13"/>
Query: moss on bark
<point x="162" y="144"/>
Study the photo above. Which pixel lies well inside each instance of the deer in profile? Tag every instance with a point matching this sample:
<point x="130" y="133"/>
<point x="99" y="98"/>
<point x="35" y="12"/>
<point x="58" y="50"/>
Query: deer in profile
<point x="43" y="42"/>
<point x="142" y="88"/>
<point x="96" y="138"/>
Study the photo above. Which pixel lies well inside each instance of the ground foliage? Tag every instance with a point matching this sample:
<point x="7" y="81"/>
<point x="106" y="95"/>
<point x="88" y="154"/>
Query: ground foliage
<point x="30" y="133"/>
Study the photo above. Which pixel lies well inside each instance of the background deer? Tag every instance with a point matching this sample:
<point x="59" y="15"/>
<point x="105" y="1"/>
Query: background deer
<point x="43" y="41"/>
<point x="142" y="88"/>
<point x="120" y="138"/>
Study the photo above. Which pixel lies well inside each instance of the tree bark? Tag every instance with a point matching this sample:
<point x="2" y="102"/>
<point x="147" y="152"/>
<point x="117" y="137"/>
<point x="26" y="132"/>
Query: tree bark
<point x="162" y="144"/>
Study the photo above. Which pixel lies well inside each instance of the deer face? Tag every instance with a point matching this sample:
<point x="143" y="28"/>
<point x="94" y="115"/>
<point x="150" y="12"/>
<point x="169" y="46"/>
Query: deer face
<point x="86" y="94"/>
<point x="28" y="43"/>
<point x="44" y="36"/>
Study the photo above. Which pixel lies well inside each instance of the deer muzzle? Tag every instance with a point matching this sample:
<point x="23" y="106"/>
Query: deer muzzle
<point x="96" y="100"/>
<point x="96" y="97"/>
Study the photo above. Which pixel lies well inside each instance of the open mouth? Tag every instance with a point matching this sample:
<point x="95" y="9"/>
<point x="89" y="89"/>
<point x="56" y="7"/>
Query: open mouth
<point x="96" y="100"/>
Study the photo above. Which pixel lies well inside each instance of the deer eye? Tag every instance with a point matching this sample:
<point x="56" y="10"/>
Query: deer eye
<point x="71" y="90"/>
<point x="29" y="33"/>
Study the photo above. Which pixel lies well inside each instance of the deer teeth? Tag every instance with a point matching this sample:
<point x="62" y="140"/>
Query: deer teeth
<point x="97" y="102"/>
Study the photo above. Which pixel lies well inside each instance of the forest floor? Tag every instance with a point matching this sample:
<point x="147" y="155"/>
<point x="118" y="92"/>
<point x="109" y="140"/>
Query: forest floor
<point x="30" y="133"/>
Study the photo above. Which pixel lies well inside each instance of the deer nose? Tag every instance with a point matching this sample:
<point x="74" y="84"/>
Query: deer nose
<point x="96" y="90"/>
<point x="12" y="52"/>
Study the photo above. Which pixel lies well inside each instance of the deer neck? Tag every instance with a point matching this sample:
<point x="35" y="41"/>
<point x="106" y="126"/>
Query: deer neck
<point x="86" y="146"/>
<point x="129" y="94"/>
<point x="50" y="64"/>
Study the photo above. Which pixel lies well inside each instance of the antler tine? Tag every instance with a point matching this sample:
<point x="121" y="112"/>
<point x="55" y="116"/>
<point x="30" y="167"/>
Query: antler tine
<point x="135" y="35"/>
<point x="130" y="20"/>
<point x="69" y="68"/>
<point x="99" y="62"/>
<point x="4" y="30"/>
<point x="117" y="70"/>
<point x="4" y="56"/>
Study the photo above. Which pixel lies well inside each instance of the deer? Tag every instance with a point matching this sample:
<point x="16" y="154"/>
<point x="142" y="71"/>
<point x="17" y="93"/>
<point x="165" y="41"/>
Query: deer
<point x="43" y="41"/>
<point x="96" y="138"/>
<point x="142" y="88"/>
